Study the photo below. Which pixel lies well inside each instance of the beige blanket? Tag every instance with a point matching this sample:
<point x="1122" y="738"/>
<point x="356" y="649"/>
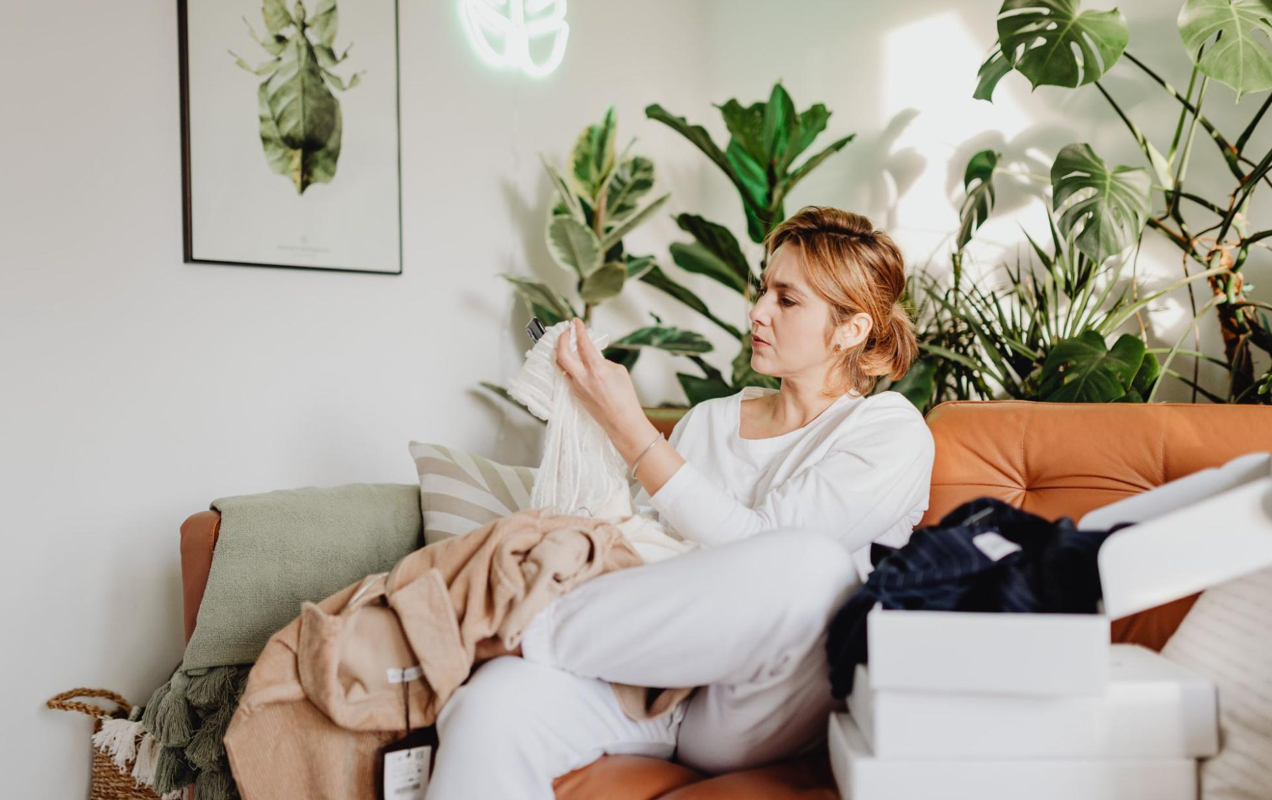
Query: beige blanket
<point x="332" y="687"/>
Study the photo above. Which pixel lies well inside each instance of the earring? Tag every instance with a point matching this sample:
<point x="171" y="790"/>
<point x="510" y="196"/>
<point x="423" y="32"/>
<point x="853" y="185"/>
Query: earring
<point x="836" y="347"/>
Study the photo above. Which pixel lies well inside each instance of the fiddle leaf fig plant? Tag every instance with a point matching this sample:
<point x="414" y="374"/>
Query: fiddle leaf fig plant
<point x="765" y="140"/>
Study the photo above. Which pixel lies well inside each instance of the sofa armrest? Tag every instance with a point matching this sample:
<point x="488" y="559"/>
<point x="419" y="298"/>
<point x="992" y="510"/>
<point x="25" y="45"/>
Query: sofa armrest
<point x="198" y="539"/>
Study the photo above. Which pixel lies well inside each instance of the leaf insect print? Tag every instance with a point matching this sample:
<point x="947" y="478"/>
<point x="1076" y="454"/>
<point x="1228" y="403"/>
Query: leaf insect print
<point x="300" y="118"/>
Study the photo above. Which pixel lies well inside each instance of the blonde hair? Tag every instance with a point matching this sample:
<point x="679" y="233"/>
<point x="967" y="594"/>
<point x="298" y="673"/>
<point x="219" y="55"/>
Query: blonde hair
<point x="855" y="269"/>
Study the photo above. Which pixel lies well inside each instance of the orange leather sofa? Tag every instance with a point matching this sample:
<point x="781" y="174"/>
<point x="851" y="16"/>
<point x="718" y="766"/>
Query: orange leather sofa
<point x="1051" y="459"/>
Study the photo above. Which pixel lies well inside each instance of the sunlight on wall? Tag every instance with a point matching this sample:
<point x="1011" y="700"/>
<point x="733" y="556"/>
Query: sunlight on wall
<point x="931" y="65"/>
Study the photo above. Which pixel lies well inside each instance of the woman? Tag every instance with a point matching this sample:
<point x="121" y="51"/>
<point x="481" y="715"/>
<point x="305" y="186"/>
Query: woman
<point x="785" y="489"/>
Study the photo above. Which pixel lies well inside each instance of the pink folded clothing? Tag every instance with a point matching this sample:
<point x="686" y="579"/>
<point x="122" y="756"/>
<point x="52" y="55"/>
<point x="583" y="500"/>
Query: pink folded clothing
<point x="337" y="683"/>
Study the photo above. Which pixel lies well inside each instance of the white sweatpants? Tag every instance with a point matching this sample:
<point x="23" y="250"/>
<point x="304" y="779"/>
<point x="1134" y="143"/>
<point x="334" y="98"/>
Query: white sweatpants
<point x="746" y="621"/>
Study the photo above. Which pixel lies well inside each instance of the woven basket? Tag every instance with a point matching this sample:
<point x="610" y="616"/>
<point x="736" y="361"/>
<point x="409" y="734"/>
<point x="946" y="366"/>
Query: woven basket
<point x="108" y="781"/>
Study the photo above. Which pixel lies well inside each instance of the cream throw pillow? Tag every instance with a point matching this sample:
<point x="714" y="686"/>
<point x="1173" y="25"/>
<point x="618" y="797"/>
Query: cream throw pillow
<point x="1227" y="637"/>
<point x="460" y="492"/>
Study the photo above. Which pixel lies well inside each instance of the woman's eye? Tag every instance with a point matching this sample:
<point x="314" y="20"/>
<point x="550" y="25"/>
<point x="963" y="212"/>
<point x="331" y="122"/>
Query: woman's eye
<point x="786" y="302"/>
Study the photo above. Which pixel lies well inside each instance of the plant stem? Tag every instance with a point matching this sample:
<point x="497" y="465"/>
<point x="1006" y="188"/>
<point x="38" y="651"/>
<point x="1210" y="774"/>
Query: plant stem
<point x="1254" y="123"/>
<point x="1171" y="355"/>
<point x="1183" y="112"/>
<point x="1229" y="152"/>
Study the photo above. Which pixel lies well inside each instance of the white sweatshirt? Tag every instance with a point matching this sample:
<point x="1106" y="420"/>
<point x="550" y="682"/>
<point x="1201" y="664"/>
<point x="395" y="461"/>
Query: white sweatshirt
<point x="859" y="472"/>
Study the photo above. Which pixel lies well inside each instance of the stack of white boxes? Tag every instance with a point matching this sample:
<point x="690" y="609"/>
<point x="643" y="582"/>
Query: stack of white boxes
<point x="982" y="706"/>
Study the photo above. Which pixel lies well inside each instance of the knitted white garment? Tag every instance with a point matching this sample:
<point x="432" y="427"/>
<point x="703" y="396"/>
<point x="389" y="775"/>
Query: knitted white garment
<point x="581" y="472"/>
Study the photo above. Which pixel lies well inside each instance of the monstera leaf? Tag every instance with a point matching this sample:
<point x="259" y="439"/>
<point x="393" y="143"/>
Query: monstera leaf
<point x="990" y="73"/>
<point x="1240" y="58"/>
<point x="1108" y="208"/>
<point x="1083" y="370"/>
<point x="1051" y="44"/>
<point x="979" y="184"/>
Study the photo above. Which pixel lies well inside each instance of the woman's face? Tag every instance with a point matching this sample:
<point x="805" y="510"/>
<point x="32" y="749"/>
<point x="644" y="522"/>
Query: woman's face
<point x="788" y="322"/>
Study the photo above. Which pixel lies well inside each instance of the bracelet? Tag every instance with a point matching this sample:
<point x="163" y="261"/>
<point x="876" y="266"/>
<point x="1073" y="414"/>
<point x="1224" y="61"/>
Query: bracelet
<point x="631" y="475"/>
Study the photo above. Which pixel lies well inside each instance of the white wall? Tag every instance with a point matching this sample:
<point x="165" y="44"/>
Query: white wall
<point x="137" y="388"/>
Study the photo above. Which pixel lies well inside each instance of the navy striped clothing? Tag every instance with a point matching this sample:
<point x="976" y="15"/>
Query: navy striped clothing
<point x="984" y="555"/>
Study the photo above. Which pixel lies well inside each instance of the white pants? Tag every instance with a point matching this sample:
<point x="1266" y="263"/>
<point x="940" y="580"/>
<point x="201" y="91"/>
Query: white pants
<point x="746" y="621"/>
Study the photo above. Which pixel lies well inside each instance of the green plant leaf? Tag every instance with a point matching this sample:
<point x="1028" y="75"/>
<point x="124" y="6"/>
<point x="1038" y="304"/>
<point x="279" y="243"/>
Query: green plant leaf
<point x="978" y="181"/>
<point x="325" y="21"/>
<point x="637" y="266"/>
<point x="632" y="180"/>
<point x="1083" y="370"/>
<point x="593" y="155"/>
<point x="990" y="73"/>
<point x="603" y="283"/>
<point x="1051" y="44"/>
<point x="696" y="257"/>
<point x="574" y="245"/>
<point x="698" y="136"/>
<point x="1240" y="59"/>
<point x="746" y="127"/>
<point x="616" y="234"/>
<point x="1109" y="207"/>
<point x="809" y="126"/>
<point x="918" y="384"/>
<point x="657" y="278"/>
<point x="569" y="200"/>
<point x="751" y="175"/>
<point x="720" y="242"/>
<point x="699" y="389"/>
<point x="780" y="125"/>
<point x="677" y="341"/>
<point x="785" y="185"/>
<point x="542" y="300"/>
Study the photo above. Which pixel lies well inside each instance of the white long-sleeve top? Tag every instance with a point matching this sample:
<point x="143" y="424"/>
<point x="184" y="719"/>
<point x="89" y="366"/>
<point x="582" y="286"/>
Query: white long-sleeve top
<point x="859" y="472"/>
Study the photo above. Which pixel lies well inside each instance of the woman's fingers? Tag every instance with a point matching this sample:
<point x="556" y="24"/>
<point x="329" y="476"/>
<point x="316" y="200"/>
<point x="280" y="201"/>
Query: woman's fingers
<point x="587" y="348"/>
<point x="567" y="360"/>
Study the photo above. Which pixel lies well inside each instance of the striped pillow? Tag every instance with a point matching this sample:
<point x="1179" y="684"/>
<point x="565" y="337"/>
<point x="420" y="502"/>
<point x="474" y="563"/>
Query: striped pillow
<point x="1227" y="637"/>
<point x="460" y="492"/>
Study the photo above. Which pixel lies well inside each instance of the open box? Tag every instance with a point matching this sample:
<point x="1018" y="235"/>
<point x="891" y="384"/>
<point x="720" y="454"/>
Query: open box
<point x="1190" y="534"/>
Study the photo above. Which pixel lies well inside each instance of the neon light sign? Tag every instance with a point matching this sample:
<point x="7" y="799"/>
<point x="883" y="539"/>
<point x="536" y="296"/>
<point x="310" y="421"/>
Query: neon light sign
<point x="503" y="30"/>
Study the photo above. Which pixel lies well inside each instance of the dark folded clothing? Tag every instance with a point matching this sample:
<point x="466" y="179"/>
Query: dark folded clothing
<point x="984" y="555"/>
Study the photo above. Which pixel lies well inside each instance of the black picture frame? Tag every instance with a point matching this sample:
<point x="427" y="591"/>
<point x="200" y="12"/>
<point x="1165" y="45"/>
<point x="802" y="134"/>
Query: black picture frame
<point x="197" y="254"/>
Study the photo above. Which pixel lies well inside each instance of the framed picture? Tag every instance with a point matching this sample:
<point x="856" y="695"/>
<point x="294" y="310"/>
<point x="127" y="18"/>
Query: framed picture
<point x="290" y="133"/>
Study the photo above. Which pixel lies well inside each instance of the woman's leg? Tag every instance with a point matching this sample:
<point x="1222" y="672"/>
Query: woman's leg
<point x="746" y="621"/>
<point x="515" y="726"/>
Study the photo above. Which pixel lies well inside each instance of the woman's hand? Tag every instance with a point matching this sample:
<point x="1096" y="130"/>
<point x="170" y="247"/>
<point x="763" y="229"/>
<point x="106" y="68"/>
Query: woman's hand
<point x="602" y="387"/>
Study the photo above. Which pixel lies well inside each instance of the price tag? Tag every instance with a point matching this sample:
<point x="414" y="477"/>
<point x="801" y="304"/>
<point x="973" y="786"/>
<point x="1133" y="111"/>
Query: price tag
<point x="406" y="773"/>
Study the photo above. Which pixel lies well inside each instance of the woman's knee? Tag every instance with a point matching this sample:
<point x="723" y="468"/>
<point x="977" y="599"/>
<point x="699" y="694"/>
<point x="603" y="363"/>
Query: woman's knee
<point x="814" y="570"/>
<point x="500" y="696"/>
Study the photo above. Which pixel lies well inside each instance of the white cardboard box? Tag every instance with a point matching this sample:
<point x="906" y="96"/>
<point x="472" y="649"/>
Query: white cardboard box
<point x="1190" y="534"/>
<point x="862" y="776"/>
<point x="1152" y="708"/>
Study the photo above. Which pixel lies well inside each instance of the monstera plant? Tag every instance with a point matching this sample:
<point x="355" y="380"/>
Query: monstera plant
<point x="765" y="141"/>
<point x="300" y="120"/>
<point x="1229" y="42"/>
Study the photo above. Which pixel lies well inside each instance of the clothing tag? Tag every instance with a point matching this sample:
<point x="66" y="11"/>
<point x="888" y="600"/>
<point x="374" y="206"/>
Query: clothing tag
<point x="406" y="773"/>
<point x="994" y="545"/>
<point x="408" y="674"/>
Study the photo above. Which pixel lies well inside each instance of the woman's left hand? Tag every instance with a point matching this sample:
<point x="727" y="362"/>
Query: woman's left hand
<point x="602" y="387"/>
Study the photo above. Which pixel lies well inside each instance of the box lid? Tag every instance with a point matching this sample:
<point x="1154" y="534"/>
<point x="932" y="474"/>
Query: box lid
<point x="1190" y="534"/>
